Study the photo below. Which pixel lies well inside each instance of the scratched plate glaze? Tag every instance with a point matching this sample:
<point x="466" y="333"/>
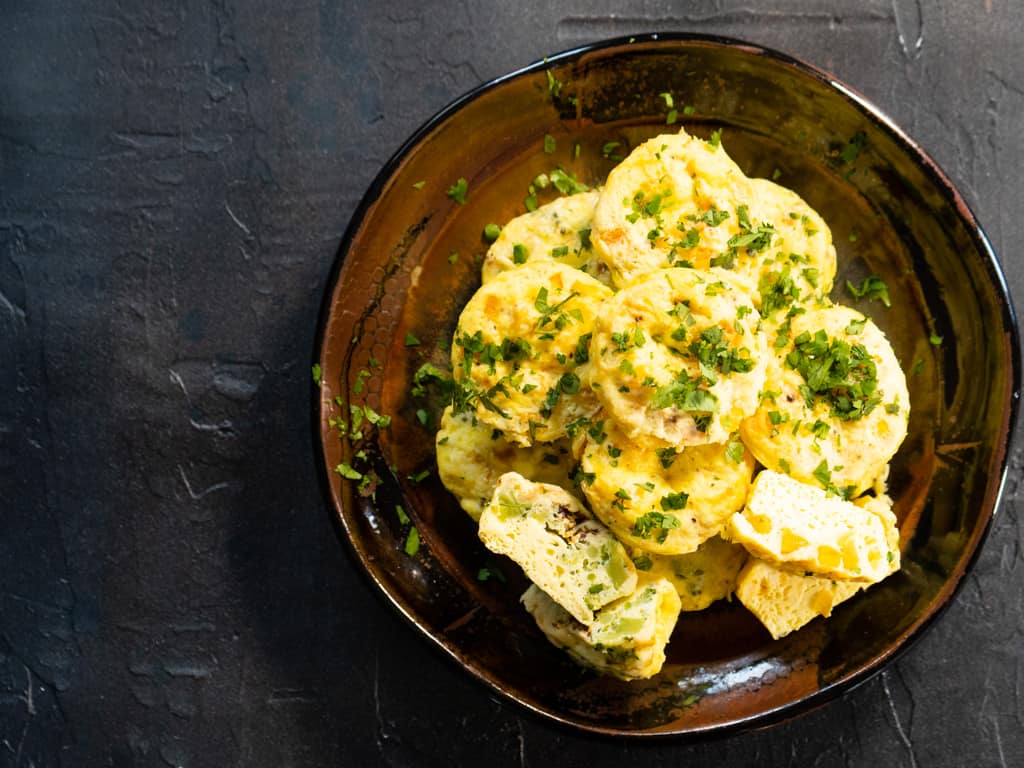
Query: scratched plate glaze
<point x="892" y="213"/>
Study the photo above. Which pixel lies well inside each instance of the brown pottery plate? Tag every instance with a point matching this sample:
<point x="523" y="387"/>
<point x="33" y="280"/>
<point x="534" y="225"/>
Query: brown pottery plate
<point x="410" y="260"/>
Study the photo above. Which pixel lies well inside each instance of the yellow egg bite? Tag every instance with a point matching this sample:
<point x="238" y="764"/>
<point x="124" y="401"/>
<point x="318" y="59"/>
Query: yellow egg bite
<point x="558" y="544"/>
<point x="557" y="231"/>
<point x="664" y="205"/>
<point x="700" y="577"/>
<point x="797" y="264"/>
<point x="520" y="348"/>
<point x="679" y="201"/>
<point x="807" y="529"/>
<point x="471" y="457"/>
<point x="627" y="639"/>
<point x="660" y="498"/>
<point x="835" y="406"/>
<point x="676" y="356"/>
<point x="784" y="600"/>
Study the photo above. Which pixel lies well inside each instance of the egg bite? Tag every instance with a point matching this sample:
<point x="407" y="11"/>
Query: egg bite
<point x="795" y="266"/>
<point x="627" y="639"/>
<point x="809" y="530"/>
<point x="558" y="544"/>
<point x="659" y="498"/>
<point x="784" y="600"/>
<point x="676" y="356"/>
<point x="701" y="577"/>
<point x="665" y="205"/>
<point x="521" y="348"/>
<point x="472" y="457"/>
<point x="557" y="231"/>
<point x="835" y="405"/>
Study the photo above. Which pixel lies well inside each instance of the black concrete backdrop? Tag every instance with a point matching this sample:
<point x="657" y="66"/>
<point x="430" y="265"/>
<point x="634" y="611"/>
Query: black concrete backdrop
<point x="174" y="181"/>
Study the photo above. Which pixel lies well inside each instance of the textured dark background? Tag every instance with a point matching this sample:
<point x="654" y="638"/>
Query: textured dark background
<point x="174" y="182"/>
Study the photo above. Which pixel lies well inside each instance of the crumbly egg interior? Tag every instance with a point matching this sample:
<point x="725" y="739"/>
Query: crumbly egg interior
<point x="659" y="407"/>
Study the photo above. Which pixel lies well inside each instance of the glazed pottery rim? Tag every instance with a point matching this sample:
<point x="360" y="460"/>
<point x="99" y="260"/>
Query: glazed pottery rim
<point x="1004" y="439"/>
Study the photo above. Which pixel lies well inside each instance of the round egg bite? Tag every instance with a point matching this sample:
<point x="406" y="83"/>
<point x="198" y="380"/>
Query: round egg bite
<point x="662" y="499"/>
<point x="666" y="204"/>
<point x="472" y="457"/>
<point x="677" y="356"/>
<point x="557" y="231"/>
<point x="784" y="254"/>
<point x="835" y="406"/>
<point x="520" y="350"/>
<point x="700" y="577"/>
<point x="679" y="201"/>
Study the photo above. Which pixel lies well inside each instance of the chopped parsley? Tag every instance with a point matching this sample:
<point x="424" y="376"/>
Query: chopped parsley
<point x="714" y="353"/>
<point x="420" y="476"/>
<point x="656" y="524"/>
<point x="853" y="147"/>
<point x="667" y="456"/>
<point x="872" y="287"/>
<point x="490" y="572"/>
<point x="734" y="452"/>
<point x="674" y="501"/>
<point x="840" y="373"/>
<point x="608" y="150"/>
<point x="684" y="393"/>
<point x="566" y="183"/>
<point x="754" y="238"/>
<point x="553" y="312"/>
<point x="412" y="542"/>
<point x="348" y="472"/>
<point x="713" y="217"/>
<point x="458" y="190"/>
<point x="643" y="563"/>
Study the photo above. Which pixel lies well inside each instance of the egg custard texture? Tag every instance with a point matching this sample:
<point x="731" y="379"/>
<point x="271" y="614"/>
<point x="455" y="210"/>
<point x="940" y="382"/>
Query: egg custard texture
<point x="557" y="231"/>
<point x="664" y="500"/>
<point x="676" y="356"/>
<point x="472" y="457"/>
<point x="557" y="543"/>
<point x="521" y="347"/>
<point x="785" y="600"/>
<point x="627" y="639"/>
<point x="806" y="529"/>
<point x="835" y="405"/>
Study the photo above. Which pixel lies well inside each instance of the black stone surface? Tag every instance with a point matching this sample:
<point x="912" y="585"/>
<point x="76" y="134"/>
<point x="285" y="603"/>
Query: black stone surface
<point x="174" y="182"/>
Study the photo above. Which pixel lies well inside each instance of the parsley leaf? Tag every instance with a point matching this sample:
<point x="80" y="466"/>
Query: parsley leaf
<point x="872" y="287"/>
<point x="457" y="191"/>
<point x="655" y="523"/>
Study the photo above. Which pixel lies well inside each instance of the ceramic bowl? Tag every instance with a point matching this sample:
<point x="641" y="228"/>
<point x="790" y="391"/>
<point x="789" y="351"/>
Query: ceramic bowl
<point x="410" y="260"/>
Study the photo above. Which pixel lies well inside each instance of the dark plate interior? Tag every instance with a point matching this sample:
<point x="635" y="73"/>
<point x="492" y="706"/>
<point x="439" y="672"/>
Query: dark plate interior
<point x="892" y="213"/>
